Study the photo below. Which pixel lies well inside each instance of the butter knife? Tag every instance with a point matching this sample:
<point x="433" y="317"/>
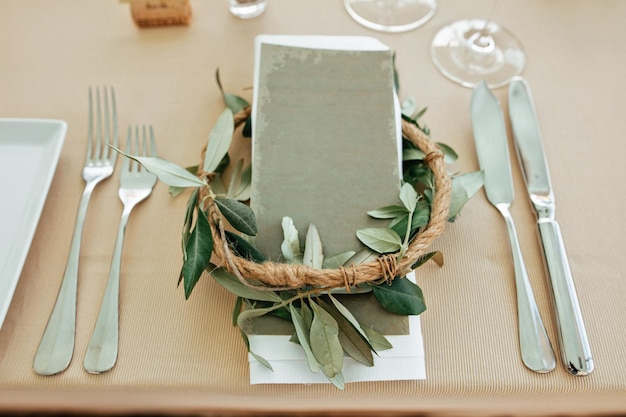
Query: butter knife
<point x="494" y="159"/>
<point x="575" y="351"/>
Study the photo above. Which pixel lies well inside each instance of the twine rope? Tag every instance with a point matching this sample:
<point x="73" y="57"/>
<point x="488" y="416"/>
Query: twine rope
<point x="276" y="276"/>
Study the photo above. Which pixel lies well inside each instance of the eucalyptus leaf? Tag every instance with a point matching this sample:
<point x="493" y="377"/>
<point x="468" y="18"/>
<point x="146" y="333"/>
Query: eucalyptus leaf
<point x="313" y="253"/>
<point x="337" y="381"/>
<point x="335" y="261"/>
<point x="348" y="315"/>
<point x="408" y="196"/>
<point x="174" y="191"/>
<point x="239" y="215"/>
<point x="233" y="102"/>
<point x="401" y="297"/>
<point x="437" y="257"/>
<point x="251" y="313"/>
<point x="409" y="106"/>
<point x="463" y="188"/>
<point x="259" y="358"/>
<point x="380" y="239"/>
<point x="377" y="340"/>
<point x="303" y="332"/>
<point x="232" y="284"/>
<point x="245" y="184"/>
<point x="235" y="178"/>
<point x="387" y="212"/>
<point x="365" y="255"/>
<point x="198" y="249"/>
<point x="449" y="154"/>
<point x="168" y="172"/>
<point x="237" y="309"/>
<point x="353" y="342"/>
<point x="325" y="341"/>
<point x="246" y="132"/>
<point x="244" y="249"/>
<point x="412" y="154"/>
<point x="290" y="246"/>
<point x="219" y="141"/>
<point x="191" y="207"/>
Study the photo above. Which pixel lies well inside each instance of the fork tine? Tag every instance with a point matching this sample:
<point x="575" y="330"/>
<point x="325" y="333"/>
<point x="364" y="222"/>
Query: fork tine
<point x="90" y="128"/>
<point x="98" y="150"/>
<point x="135" y="166"/>
<point x="129" y="141"/>
<point x="153" y="148"/>
<point x="112" y="155"/>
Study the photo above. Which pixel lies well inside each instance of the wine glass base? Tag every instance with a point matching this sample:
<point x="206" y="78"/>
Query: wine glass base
<point x="391" y="15"/>
<point x="471" y="50"/>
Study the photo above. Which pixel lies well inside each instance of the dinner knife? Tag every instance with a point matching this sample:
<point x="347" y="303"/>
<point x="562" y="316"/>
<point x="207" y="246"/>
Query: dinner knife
<point x="575" y="351"/>
<point x="493" y="156"/>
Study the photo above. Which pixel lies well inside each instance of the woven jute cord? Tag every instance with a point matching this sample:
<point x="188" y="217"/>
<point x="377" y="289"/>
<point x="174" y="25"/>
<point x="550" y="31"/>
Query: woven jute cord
<point x="275" y="276"/>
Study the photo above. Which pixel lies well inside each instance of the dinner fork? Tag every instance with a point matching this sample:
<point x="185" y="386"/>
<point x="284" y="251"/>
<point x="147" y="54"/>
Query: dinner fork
<point x="136" y="185"/>
<point x="57" y="344"/>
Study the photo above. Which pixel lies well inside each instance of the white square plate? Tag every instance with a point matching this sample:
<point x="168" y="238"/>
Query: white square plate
<point x="29" y="152"/>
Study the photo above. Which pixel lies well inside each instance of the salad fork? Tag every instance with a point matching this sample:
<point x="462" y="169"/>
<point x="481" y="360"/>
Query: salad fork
<point x="136" y="185"/>
<point x="57" y="344"/>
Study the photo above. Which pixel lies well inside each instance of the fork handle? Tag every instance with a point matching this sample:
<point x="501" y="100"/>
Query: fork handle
<point x="102" y="351"/>
<point x="57" y="344"/>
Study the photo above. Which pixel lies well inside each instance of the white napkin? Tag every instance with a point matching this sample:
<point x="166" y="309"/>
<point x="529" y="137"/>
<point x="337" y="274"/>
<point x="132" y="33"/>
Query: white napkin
<point x="405" y="361"/>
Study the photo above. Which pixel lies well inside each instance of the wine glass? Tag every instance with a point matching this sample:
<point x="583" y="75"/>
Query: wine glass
<point x="391" y="15"/>
<point x="470" y="50"/>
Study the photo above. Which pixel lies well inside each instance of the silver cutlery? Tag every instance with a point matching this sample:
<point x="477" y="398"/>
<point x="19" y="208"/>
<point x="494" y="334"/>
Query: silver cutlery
<point x="575" y="350"/>
<point x="136" y="185"/>
<point x="57" y="344"/>
<point x="493" y="155"/>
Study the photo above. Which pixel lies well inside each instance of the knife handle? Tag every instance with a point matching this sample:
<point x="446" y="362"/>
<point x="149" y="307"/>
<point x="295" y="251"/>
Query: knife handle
<point x="575" y="351"/>
<point x="535" y="347"/>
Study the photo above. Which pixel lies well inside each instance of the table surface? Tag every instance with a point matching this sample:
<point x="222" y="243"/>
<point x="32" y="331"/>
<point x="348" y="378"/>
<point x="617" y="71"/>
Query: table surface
<point x="179" y="356"/>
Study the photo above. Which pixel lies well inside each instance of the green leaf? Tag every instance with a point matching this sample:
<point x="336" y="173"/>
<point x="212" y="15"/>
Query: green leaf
<point x="380" y="239"/>
<point x="244" y="249"/>
<point x="290" y="246"/>
<point x="387" y="212"/>
<point x="363" y="256"/>
<point x="435" y="256"/>
<point x="337" y="381"/>
<point x="408" y="196"/>
<point x="245" y="184"/>
<point x="174" y="191"/>
<point x="463" y="188"/>
<point x="377" y="340"/>
<point x="240" y="216"/>
<point x="233" y="102"/>
<point x="401" y="297"/>
<point x="259" y="358"/>
<point x="325" y="341"/>
<point x="449" y="154"/>
<point x="191" y="206"/>
<point x="168" y="172"/>
<point x="302" y="330"/>
<point x="219" y="140"/>
<point x="251" y="313"/>
<point x="409" y="106"/>
<point x="199" y="248"/>
<point x="313" y="253"/>
<point x="237" y="309"/>
<point x="232" y="284"/>
<point x="412" y="154"/>
<point x="246" y="132"/>
<point x="335" y="261"/>
<point x="352" y="339"/>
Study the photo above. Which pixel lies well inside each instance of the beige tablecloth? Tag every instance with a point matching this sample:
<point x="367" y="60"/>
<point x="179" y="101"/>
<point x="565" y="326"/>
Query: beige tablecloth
<point x="180" y="356"/>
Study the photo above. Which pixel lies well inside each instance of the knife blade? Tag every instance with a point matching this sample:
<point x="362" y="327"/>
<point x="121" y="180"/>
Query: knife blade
<point x="493" y="156"/>
<point x="575" y="350"/>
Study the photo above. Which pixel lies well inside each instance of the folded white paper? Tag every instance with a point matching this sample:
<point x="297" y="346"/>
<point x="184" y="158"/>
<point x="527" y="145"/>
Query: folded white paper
<point x="405" y="361"/>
